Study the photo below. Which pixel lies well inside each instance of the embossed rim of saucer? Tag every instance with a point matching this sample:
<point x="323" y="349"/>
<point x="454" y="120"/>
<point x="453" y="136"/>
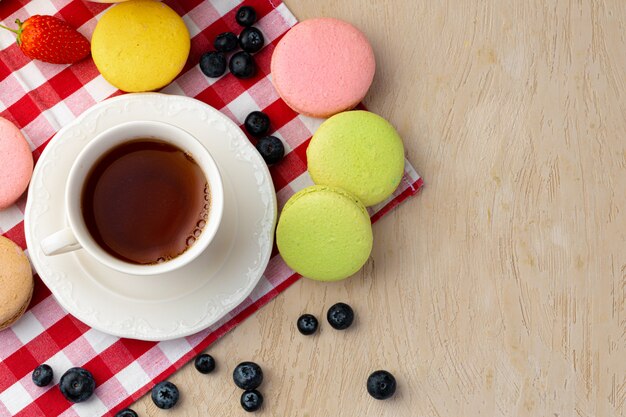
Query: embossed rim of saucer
<point x="185" y="301"/>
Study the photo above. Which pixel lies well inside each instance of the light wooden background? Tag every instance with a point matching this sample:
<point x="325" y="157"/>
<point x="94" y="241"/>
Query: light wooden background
<point x="501" y="289"/>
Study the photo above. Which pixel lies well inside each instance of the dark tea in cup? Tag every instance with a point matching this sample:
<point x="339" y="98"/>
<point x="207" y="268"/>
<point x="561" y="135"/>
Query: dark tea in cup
<point x="145" y="201"/>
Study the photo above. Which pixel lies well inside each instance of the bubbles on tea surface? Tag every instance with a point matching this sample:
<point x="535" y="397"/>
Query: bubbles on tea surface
<point x="207" y="191"/>
<point x="204" y="214"/>
<point x="195" y="234"/>
<point x="189" y="157"/>
<point x="159" y="260"/>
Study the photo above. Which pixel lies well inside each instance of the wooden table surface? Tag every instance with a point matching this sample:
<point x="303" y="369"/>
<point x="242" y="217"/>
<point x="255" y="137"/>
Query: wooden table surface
<point x="501" y="289"/>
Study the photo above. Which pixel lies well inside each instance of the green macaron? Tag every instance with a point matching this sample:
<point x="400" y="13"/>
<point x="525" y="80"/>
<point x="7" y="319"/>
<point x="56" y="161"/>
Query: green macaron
<point x="360" y="152"/>
<point x="324" y="233"/>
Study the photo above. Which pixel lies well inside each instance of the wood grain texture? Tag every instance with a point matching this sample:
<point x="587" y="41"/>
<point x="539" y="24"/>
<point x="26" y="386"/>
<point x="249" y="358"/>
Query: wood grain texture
<point x="501" y="289"/>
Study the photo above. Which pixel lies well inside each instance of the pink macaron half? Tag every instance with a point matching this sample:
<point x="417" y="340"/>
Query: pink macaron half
<point x="322" y="67"/>
<point x="16" y="163"/>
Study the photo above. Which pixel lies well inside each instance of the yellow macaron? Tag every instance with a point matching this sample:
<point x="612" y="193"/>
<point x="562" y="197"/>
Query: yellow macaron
<point x="140" y="45"/>
<point x="16" y="282"/>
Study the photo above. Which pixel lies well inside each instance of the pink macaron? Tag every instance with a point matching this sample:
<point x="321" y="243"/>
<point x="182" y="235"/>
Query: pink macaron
<point x="16" y="163"/>
<point x="322" y="67"/>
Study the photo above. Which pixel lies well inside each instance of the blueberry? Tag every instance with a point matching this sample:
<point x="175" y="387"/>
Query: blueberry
<point x="127" y="412"/>
<point x="340" y="316"/>
<point x="204" y="363"/>
<point x="307" y="324"/>
<point x="165" y="395"/>
<point x="213" y="64"/>
<point x="225" y="42"/>
<point x="77" y="384"/>
<point x="42" y="375"/>
<point x="248" y="375"/>
<point x="251" y="400"/>
<point x="271" y="149"/>
<point x="251" y="40"/>
<point x="257" y="123"/>
<point x="246" y="16"/>
<point x="381" y="385"/>
<point x="242" y="65"/>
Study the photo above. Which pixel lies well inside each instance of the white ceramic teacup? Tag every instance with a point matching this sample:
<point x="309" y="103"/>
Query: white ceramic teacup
<point x="77" y="236"/>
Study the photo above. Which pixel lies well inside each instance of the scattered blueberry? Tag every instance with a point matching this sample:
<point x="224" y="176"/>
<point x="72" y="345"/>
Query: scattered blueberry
<point x="340" y="316"/>
<point x="381" y="385"/>
<point x="251" y="400"/>
<point x="248" y="375"/>
<point x="257" y="123"/>
<point x="242" y="65"/>
<point x="271" y="149"/>
<point x="205" y="363"/>
<point x="251" y="40"/>
<point x="307" y="324"/>
<point x="213" y="64"/>
<point x="42" y="375"/>
<point x="246" y="16"/>
<point x="225" y="42"/>
<point x="77" y="384"/>
<point x="127" y="412"/>
<point x="165" y="395"/>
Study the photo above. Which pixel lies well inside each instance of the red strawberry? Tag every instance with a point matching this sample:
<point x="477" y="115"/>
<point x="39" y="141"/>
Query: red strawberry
<point x="50" y="39"/>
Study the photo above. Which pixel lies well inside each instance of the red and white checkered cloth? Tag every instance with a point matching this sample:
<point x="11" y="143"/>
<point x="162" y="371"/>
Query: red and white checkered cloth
<point x="40" y="98"/>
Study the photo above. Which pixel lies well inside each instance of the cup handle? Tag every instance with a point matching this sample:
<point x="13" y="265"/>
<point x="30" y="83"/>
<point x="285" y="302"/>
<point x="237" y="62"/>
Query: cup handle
<point x="60" y="242"/>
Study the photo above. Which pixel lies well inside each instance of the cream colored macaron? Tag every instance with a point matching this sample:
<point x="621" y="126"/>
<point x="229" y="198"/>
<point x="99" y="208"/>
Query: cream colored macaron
<point x="16" y="282"/>
<point x="140" y="45"/>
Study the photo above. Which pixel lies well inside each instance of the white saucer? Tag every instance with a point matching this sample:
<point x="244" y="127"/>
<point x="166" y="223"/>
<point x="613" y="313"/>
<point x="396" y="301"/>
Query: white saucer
<point x="187" y="300"/>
